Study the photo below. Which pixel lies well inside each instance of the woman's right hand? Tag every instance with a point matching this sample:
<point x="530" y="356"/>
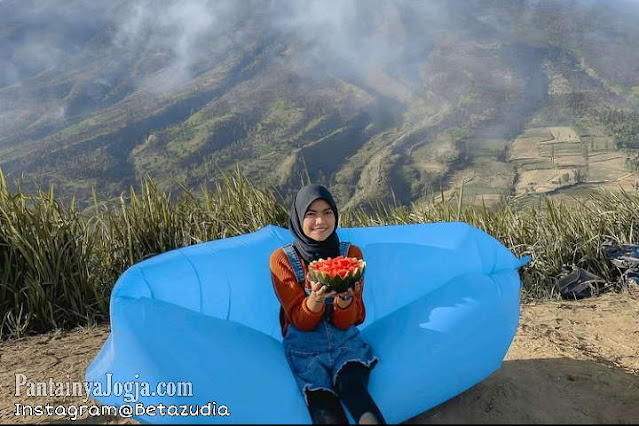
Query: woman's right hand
<point x="319" y="292"/>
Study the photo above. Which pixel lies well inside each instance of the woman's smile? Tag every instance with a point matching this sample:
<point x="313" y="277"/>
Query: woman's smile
<point x="318" y="231"/>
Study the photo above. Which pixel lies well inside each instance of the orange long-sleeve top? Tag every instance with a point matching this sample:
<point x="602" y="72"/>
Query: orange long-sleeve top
<point x="292" y="296"/>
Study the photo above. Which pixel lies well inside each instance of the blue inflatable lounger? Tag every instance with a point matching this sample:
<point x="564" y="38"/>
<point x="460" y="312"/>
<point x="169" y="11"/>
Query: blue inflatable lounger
<point x="196" y="329"/>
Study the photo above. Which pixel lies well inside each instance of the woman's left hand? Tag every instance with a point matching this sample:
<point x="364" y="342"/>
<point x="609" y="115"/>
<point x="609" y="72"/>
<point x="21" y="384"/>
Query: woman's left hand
<point x="358" y="286"/>
<point x="348" y="295"/>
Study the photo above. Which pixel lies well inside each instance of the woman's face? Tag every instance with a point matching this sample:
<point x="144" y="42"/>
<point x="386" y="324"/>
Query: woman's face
<point x="319" y="220"/>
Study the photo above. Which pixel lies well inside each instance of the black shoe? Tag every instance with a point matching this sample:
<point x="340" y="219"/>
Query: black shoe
<point x="580" y="283"/>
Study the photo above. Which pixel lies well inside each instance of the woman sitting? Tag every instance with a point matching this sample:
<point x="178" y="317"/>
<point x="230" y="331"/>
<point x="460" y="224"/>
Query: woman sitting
<point x="323" y="346"/>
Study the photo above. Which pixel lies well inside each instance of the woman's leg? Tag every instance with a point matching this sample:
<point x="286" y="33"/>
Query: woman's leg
<point x="352" y="387"/>
<point x="325" y="408"/>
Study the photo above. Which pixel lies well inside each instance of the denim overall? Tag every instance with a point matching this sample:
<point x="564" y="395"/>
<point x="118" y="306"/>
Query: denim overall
<point x="316" y="356"/>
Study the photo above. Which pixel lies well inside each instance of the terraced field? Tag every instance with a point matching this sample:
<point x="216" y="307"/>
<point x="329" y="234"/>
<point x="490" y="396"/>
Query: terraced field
<point x="552" y="159"/>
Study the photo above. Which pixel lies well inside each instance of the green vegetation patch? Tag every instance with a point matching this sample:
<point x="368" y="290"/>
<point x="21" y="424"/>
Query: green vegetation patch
<point x="59" y="264"/>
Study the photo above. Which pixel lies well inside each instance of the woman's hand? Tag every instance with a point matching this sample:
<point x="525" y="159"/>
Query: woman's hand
<point x="319" y="292"/>
<point x="343" y="300"/>
<point x="358" y="286"/>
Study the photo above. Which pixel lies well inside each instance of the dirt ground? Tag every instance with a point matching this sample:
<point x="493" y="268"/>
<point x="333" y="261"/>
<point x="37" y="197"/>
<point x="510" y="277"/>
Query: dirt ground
<point x="570" y="362"/>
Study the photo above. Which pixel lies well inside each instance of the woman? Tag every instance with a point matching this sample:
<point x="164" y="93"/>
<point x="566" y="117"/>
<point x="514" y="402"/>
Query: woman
<point x="327" y="356"/>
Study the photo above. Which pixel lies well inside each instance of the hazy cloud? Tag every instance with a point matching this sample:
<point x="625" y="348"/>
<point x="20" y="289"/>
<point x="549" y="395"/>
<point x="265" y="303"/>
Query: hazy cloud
<point x="178" y="27"/>
<point x="160" y="44"/>
<point x="345" y="36"/>
<point x="351" y="37"/>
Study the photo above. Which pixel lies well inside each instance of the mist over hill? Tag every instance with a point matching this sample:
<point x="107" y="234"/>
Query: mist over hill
<point x="378" y="100"/>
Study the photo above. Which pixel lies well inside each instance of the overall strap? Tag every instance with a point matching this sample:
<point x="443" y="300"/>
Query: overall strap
<point x="294" y="260"/>
<point x="343" y="248"/>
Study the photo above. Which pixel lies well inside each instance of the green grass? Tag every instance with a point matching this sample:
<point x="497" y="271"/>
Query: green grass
<point x="58" y="264"/>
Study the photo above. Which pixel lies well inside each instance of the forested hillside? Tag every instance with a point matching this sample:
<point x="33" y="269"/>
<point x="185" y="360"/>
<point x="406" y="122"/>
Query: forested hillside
<point x="381" y="101"/>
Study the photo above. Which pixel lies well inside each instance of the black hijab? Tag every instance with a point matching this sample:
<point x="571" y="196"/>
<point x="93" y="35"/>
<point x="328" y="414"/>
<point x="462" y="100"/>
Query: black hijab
<point x="307" y="247"/>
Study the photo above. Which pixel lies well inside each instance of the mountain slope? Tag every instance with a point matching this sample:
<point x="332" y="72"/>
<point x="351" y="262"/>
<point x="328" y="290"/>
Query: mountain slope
<point x="384" y="101"/>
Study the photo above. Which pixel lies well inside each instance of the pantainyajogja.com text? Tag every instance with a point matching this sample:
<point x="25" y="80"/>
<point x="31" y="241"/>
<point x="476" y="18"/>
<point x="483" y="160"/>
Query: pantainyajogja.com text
<point x="130" y="390"/>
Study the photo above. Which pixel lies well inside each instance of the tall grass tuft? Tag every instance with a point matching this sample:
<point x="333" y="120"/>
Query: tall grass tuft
<point x="58" y="265"/>
<point x="138" y="226"/>
<point x="50" y="276"/>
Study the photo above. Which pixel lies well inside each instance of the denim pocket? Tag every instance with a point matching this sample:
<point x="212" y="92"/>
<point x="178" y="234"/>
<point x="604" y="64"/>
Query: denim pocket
<point x="303" y="362"/>
<point x="353" y="346"/>
<point x="353" y="341"/>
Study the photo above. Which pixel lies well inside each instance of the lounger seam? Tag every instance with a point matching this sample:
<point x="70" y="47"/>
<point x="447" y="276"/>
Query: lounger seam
<point x="197" y="275"/>
<point x="146" y="282"/>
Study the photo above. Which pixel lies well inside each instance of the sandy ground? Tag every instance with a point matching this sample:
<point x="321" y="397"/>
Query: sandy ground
<point x="570" y="362"/>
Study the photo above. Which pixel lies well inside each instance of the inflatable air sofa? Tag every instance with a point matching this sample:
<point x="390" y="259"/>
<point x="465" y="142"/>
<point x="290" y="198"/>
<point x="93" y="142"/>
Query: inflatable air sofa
<point x="196" y="330"/>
